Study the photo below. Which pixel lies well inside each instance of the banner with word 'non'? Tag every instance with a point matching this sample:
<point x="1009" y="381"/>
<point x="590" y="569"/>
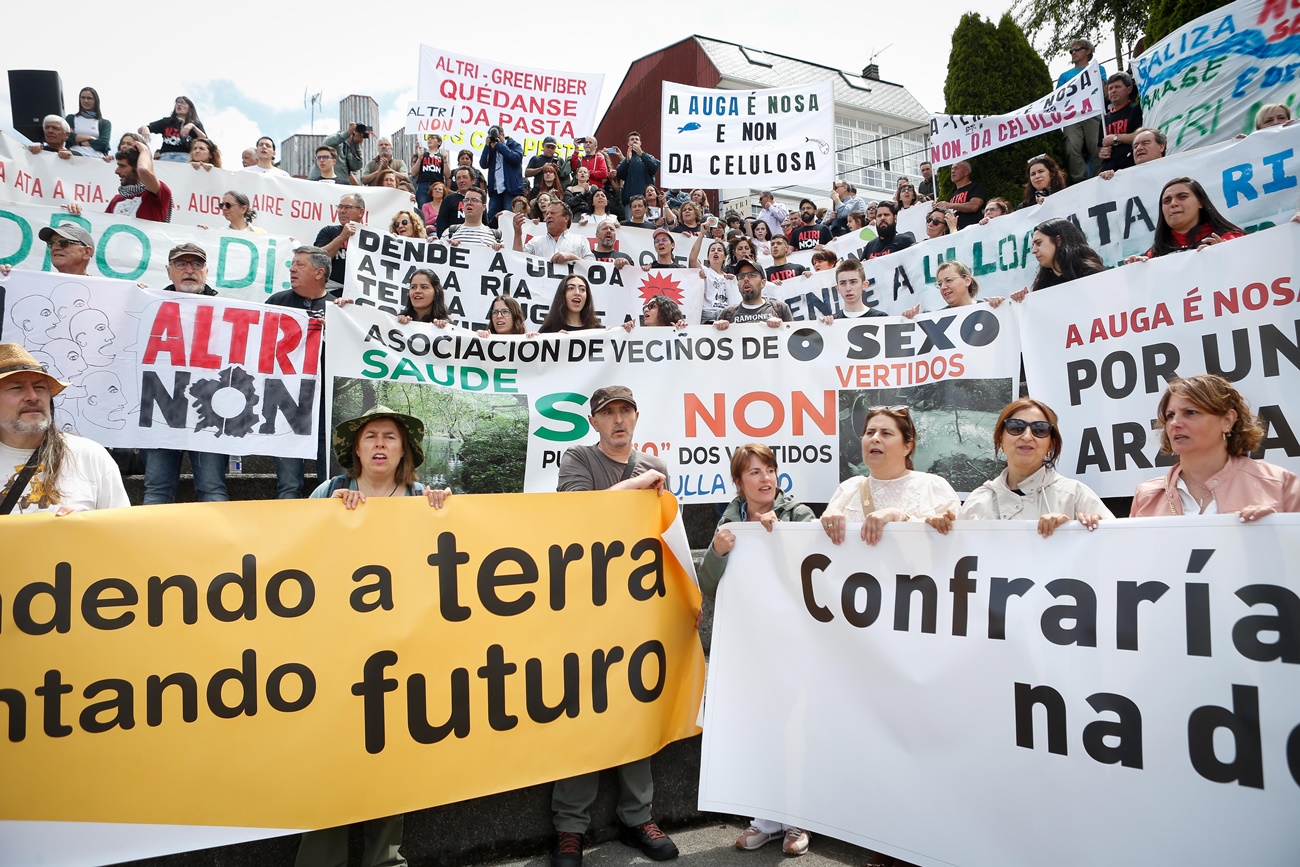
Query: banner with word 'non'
<point x="1129" y="695"/>
<point x="747" y="138"/>
<point x="156" y="369"/>
<point x="146" y="685"/>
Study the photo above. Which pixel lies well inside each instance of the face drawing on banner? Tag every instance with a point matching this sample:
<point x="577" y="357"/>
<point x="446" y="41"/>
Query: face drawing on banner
<point x="35" y="317"/>
<point x="104" y="403"/>
<point x="90" y="330"/>
<point x="64" y="360"/>
<point x="69" y="299"/>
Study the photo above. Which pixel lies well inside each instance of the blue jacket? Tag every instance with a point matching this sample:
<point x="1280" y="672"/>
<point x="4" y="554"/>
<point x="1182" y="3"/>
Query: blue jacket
<point x="637" y="172"/>
<point x="512" y="161"/>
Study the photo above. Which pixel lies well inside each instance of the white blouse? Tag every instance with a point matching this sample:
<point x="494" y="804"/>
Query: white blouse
<point x="919" y="495"/>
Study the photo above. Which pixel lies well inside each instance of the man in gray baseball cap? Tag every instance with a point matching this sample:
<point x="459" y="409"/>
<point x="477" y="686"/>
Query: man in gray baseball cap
<point x="71" y="247"/>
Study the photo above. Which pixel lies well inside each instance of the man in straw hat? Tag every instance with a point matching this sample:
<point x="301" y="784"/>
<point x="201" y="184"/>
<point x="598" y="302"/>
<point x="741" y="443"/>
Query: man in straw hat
<point x="44" y="469"/>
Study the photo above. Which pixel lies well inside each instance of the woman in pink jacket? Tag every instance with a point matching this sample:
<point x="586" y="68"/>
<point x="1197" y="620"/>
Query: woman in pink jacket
<point x="1207" y="423"/>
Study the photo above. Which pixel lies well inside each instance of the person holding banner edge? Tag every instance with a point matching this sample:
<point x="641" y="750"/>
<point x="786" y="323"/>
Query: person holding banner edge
<point x="1030" y="488"/>
<point x="892" y="490"/>
<point x="1188" y="221"/>
<point x="759" y="499"/>
<point x="1209" y="425"/>
<point x="610" y="465"/>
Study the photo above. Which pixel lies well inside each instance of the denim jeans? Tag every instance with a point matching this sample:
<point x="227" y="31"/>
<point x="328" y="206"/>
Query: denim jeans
<point x="162" y="473"/>
<point x="291" y="473"/>
<point x="174" y="157"/>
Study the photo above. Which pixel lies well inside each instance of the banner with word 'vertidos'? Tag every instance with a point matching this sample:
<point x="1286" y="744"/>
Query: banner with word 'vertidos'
<point x="1206" y="81"/>
<point x="500" y="412"/>
<point x="278" y="656"/>
<point x="245" y="265"/>
<point x="156" y="369"/>
<point x="285" y="206"/>
<point x="1130" y="695"/>
<point x="528" y="104"/>
<point x="1100" y="351"/>
<point x="747" y="138"/>
<point x="955" y="137"/>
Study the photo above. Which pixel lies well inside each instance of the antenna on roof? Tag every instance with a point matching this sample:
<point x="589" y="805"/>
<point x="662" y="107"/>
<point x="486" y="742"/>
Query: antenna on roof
<point x="312" y="99"/>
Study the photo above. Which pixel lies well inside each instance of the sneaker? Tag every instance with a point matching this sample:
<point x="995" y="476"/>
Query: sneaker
<point x="795" y="842"/>
<point x="567" y="851"/>
<point x="752" y="838"/>
<point x="653" y="843"/>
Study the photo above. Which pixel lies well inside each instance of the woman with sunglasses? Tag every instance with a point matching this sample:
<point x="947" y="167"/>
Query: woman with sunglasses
<point x="407" y="224"/>
<point x="893" y="490"/>
<point x="940" y="222"/>
<point x="906" y="197"/>
<point x="235" y="208"/>
<point x="505" y="316"/>
<point x="1030" y="488"/>
<point x="1209" y="425"/>
<point x="425" y="301"/>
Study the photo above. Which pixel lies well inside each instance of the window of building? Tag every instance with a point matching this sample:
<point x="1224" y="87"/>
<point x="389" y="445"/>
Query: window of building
<point x="862" y="149"/>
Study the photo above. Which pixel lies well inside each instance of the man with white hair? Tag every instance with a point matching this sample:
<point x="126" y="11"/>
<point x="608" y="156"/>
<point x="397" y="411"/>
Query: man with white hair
<point x="384" y="160"/>
<point x="56" y="132"/>
<point x="45" y="469"/>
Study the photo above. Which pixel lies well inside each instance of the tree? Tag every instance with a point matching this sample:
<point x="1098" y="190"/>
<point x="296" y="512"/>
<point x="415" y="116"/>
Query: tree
<point x="994" y="70"/>
<point x="1067" y="20"/>
<point x="1168" y="15"/>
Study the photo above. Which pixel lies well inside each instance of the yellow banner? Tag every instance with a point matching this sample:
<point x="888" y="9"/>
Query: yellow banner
<point x="296" y="665"/>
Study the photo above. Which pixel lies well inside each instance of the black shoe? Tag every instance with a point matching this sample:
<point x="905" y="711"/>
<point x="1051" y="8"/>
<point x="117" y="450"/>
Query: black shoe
<point x="652" y="842"/>
<point x="567" y="851"/>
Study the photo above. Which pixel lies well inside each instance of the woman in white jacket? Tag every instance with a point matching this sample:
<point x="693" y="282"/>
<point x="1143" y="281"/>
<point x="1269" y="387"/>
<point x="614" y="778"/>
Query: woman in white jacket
<point x="1030" y="488"/>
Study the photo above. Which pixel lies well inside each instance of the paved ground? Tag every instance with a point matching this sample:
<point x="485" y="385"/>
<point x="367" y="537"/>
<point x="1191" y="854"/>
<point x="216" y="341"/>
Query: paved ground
<point x="714" y="844"/>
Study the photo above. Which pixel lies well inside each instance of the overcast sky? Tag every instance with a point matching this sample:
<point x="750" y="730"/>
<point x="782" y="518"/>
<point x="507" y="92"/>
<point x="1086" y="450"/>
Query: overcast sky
<point x="247" y="67"/>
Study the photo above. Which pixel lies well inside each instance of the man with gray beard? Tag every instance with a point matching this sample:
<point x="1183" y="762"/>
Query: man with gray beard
<point x="44" y="469"/>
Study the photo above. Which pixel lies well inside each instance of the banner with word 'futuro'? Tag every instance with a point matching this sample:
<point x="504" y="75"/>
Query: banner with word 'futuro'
<point x="245" y="265"/>
<point x="747" y="138"/>
<point x="156" y="369"/>
<point x="379" y="270"/>
<point x="245" y="678"/>
<point x="285" y="206"/>
<point x="1129" y="695"/>
<point x="1206" y="81"/>
<point x="1100" y="351"/>
<point x="955" y="137"/>
<point x="528" y="104"/>
<point x="1253" y="182"/>
<point x="500" y="412"/>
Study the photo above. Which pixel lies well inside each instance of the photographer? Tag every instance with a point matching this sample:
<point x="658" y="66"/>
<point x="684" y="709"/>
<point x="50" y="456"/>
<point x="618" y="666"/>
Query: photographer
<point x="348" y="144"/>
<point x="503" y="157"/>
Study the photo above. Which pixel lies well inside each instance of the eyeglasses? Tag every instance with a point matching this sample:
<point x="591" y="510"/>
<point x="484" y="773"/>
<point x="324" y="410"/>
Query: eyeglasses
<point x="226" y="206"/>
<point x="1033" y="160"/>
<point x="349" y="208"/>
<point x="64" y="243"/>
<point x="321" y="157"/>
<point x="188" y="264"/>
<point x="1078" y="48"/>
<point x="934" y="222"/>
<point x="496" y="314"/>
<point x="1016" y="427"/>
<point x="401" y="223"/>
<point x="898" y="407"/>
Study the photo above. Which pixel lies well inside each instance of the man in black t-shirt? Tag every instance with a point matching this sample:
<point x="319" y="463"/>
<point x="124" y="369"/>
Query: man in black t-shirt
<point x="1121" y="123"/>
<point x="334" y="239"/>
<point x="809" y="234"/>
<point x="606" y="237"/>
<point x="888" y="239"/>
<point x="548" y="155"/>
<point x="968" y="201"/>
<point x="452" y="211"/>
<point x="780" y="269"/>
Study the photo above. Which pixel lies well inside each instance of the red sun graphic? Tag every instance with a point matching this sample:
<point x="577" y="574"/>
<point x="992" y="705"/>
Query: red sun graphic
<point x="661" y="283"/>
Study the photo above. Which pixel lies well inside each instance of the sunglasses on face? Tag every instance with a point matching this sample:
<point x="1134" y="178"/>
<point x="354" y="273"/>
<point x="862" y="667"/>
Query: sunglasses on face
<point x="64" y="243"/>
<point x="934" y="222"/>
<point x="401" y="223"/>
<point x="1016" y="427"/>
<point x="226" y="206"/>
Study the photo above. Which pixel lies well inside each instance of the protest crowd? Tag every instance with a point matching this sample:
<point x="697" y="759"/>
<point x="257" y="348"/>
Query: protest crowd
<point x="458" y="199"/>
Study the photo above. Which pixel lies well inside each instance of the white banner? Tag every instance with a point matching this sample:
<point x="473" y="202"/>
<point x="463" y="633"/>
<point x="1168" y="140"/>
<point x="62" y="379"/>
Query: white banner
<point x="923" y="705"/>
<point x="156" y="369"/>
<point x="747" y="138"/>
<point x="244" y="265"/>
<point x="955" y="137"/>
<point x="1253" y="182"/>
<point x="285" y="206"/>
<point x="379" y="269"/>
<point x="529" y="104"/>
<point x="1100" y="351"/>
<point x="802" y="389"/>
<point x="1205" y="82"/>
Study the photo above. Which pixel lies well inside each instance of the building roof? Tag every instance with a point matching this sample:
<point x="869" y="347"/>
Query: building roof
<point x="765" y="69"/>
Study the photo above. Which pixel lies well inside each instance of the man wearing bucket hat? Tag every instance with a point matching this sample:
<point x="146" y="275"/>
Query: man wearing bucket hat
<point x="44" y="469"/>
<point x="379" y="451"/>
<point x="187" y="267"/>
<point x="610" y="465"/>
